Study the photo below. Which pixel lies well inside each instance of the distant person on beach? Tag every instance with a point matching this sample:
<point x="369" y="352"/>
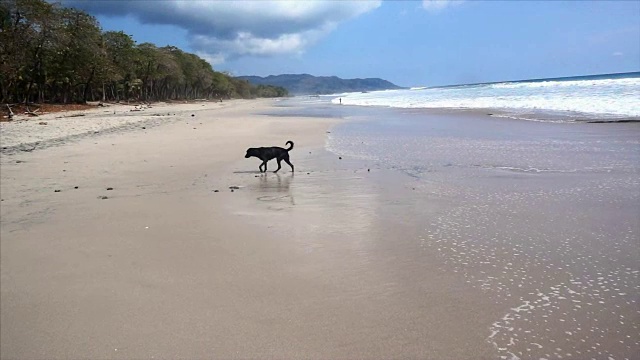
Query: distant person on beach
<point x="340" y="101"/>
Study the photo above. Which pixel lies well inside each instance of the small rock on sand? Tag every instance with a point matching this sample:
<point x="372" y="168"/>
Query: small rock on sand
<point x="109" y="188"/>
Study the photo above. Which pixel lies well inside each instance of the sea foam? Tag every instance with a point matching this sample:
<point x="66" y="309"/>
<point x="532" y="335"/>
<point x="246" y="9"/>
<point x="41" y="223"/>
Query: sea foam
<point x="616" y="96"/>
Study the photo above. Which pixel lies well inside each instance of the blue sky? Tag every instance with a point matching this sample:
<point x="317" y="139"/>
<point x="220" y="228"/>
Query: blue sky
<point x="410" y="43"/>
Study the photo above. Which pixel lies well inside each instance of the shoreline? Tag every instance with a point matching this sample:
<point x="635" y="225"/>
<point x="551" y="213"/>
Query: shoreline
<point x="522" y="115"/>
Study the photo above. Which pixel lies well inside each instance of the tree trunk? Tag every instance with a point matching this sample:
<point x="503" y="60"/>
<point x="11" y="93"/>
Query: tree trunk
<point x="87" y="85"/>
<point x="28" y="93"/>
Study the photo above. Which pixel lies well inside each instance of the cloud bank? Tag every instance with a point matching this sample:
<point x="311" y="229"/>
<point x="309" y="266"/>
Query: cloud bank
<point x="220" y="30"/>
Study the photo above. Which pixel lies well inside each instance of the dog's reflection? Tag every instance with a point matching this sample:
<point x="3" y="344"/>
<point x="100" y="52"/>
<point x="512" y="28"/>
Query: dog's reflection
<point x="275" y="182"/>
<point x="270" y="183"/>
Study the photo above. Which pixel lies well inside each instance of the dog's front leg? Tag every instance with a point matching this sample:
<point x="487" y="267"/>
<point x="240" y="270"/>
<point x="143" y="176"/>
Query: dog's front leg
<point x="264" y="163"/>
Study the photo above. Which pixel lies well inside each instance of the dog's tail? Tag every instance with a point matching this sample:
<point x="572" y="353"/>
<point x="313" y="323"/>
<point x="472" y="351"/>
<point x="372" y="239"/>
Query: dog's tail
<point x="291" y="146"/>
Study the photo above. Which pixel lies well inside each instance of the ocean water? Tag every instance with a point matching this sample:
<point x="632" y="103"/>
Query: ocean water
<point x="613" y="96"/>
<point x="541" y="217"/>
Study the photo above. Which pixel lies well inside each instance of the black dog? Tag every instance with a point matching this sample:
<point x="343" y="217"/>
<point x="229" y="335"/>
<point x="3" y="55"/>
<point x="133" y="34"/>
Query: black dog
<point x="267" y="153"/>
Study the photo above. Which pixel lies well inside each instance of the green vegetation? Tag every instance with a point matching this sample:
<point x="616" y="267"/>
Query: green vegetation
<point x="49" y="53"/>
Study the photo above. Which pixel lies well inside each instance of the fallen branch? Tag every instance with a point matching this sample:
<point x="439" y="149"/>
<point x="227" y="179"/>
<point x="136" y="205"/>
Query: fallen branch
<point x="32" y="113"/>
<point x="11" y="114"/>
<point x="72" y="115"/>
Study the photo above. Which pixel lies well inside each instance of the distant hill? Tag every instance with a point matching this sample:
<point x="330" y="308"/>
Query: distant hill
<point x="305" y="84"/>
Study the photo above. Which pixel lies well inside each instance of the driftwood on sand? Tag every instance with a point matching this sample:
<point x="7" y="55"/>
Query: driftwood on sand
<point x="32" y="113"/>
<point x="70" y="115"/>
<point x="11" y="114"/>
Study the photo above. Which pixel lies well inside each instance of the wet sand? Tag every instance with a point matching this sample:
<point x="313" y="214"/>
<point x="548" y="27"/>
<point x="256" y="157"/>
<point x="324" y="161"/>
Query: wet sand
<point x="542" y="217"/>
<point x="320" y="264"/>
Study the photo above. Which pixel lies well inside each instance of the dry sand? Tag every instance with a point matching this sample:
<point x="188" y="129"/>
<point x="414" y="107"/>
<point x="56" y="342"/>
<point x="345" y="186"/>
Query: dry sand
<point x="319" y="264"/>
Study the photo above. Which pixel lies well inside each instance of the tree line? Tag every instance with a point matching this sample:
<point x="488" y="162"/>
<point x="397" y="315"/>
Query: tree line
<point x="50" y="53"/>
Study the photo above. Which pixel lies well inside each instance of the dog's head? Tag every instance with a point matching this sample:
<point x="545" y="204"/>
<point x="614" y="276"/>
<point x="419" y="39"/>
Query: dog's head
<point x="250" y="152"/>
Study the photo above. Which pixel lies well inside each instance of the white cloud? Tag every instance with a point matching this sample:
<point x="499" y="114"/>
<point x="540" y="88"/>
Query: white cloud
<point x="617" y="53"/>
<point x="246" y="43"/>
<point x="438" y="5"/>
<point x="224" y="29"/>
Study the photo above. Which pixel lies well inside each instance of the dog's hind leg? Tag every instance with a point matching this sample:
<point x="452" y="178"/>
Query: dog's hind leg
<point x="286" y="159"/>
<point x="278" y="165"/>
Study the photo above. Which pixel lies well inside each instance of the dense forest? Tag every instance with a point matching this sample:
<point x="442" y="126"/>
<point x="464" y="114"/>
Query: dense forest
<point x="54" y="54"/>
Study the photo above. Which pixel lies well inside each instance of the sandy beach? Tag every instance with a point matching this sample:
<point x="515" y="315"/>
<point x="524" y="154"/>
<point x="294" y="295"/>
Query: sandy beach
<point x="466" y="185"/>
<point x="146" y="234"/>
<point x="163" y="266"/>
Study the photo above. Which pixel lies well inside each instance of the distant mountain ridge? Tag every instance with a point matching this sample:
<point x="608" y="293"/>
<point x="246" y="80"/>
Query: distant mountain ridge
<point x="305" y="84"/>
